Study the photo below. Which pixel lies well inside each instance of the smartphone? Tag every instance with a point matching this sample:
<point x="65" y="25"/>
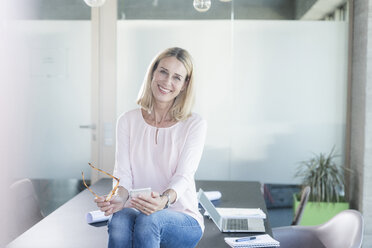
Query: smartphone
<point x="143" y="192"/>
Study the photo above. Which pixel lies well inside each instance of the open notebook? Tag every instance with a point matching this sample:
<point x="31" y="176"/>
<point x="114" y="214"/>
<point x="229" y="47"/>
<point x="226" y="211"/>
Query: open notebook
<point x="264" y="240"/>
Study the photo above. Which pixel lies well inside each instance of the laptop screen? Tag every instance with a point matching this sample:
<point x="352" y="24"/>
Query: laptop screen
<point x="209" y="207"/>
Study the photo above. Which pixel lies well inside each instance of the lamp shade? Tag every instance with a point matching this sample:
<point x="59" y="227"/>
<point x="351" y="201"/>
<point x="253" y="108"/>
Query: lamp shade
<point x="95" y="3"/>
<point x="202" y="5"/>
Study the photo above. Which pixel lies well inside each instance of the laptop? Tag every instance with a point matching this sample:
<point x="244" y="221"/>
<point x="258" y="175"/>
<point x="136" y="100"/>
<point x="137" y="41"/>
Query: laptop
<point x="229" y="223"/>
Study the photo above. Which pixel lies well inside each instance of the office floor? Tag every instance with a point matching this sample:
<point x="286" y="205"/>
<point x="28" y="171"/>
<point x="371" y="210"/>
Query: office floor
<point x="54" y="193"/>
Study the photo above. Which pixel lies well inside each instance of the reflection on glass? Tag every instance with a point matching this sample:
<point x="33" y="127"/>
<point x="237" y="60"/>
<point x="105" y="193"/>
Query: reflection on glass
<point x="202" y="5"/>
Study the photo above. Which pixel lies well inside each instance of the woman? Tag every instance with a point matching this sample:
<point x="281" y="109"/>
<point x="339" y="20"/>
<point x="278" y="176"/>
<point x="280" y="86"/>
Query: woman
<point x="159" y="146"/>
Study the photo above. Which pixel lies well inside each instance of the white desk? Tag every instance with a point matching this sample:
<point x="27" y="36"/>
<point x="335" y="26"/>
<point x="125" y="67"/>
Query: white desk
<point x="66" y="227"/>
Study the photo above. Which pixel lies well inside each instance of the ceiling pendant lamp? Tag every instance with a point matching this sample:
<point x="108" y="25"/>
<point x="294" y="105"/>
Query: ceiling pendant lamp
<point x="202" y="5"/>
<point x="95" y="3"/>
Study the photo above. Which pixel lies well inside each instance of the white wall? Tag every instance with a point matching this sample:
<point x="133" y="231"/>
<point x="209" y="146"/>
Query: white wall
<point x="272" y="92"/>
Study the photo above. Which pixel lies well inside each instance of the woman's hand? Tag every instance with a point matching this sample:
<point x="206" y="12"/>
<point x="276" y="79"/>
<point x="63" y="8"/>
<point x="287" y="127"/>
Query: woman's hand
<point x="116" y="203"/>
<point x="149" y="204"/>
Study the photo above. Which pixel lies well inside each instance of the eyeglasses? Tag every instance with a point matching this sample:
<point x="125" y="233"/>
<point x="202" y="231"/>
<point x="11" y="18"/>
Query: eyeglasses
<point x="113" y="191"/>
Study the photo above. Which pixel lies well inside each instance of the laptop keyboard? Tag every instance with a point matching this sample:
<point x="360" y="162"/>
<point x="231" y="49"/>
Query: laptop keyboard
<point x="237" y="224"/>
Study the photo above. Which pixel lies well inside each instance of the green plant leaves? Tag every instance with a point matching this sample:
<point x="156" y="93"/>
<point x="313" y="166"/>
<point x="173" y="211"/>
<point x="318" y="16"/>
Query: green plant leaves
<point x="324" y="176"/>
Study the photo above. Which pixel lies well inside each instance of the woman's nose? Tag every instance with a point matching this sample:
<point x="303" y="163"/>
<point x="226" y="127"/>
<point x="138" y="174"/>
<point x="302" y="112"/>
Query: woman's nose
<point x="168" y="80"/>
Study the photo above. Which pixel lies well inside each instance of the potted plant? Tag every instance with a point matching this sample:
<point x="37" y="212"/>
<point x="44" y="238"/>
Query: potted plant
<point x="327" y="182"/>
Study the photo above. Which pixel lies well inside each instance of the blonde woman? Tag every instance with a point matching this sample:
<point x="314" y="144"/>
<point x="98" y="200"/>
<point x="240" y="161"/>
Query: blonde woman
<point x="159" y="145"/>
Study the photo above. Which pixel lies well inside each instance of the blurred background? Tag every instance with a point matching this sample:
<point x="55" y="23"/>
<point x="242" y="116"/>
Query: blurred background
<point x="272" y="86"/>
<point x="272" y="82"/>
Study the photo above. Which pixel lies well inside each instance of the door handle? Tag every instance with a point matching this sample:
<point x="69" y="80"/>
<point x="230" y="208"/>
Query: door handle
<point x="93" y="126"/>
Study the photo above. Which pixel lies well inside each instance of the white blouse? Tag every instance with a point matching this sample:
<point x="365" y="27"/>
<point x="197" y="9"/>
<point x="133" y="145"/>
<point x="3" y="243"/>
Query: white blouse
<point x="169" y="164"/>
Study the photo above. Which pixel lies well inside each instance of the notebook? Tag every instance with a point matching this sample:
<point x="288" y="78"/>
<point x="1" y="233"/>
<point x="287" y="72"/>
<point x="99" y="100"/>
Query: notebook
<point x="264" y="240"/>
<point x="226" y="223"/>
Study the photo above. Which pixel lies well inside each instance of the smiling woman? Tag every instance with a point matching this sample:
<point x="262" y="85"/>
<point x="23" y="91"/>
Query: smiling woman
<point x="159" y="146"/>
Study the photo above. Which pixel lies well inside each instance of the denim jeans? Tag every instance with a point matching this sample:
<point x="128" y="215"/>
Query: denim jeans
<point x="165" y="228"/>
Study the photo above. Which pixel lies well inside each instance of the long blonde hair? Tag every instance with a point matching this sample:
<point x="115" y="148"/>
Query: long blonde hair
<point x="181" y="108"/>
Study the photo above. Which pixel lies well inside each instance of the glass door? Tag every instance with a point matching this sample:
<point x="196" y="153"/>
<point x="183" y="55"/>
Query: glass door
<point x="54" y="65"/>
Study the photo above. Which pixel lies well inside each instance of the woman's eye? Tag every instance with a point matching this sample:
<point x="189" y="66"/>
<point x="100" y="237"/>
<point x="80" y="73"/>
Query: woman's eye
<point x="163" y="71"/>
<point x="178" y="78"/>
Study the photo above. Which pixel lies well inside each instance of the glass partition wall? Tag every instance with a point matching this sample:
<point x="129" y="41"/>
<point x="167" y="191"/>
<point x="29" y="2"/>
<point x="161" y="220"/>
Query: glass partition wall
<point x="271" y="87"/>
<point x="50" y="77"/>
<point x="53" y="45"/>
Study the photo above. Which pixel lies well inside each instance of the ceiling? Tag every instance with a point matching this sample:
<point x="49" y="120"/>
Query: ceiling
<point x="182" y="9"/>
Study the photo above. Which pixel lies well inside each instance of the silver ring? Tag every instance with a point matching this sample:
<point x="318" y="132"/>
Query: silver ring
<point x="144" y="209"/>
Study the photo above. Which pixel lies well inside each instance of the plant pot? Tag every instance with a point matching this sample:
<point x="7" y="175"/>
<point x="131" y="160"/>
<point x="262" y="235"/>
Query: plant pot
<point x="316" y="213"/>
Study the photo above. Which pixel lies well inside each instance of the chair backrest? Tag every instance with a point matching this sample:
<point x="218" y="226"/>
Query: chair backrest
<point x="25" y="207"/>
<point x="304" y="198"/>
<point x="345" y="230"/>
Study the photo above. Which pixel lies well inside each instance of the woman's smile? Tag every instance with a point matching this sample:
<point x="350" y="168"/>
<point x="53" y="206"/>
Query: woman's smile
<point x="163" y="90"/>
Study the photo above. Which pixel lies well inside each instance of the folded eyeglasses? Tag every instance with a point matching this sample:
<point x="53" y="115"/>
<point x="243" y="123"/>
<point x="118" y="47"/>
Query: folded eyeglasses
<point x="113" y="191"/>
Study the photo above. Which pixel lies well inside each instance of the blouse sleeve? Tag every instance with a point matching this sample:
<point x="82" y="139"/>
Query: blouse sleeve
<point x="122" y="168"/>
<point x="189" y="159"/>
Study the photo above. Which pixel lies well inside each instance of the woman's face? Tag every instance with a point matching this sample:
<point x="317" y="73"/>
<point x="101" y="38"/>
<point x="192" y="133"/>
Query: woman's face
<point x="168" y="80"/>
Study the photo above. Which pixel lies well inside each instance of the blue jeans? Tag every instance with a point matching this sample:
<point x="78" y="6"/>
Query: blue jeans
<point x="165" y="228"/>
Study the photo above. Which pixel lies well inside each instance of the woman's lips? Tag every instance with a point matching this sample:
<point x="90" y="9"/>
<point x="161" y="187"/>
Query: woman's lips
<point x="163" y="90"/>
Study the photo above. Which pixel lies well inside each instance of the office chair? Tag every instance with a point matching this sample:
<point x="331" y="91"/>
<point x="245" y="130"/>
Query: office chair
<point x="345" y="230"/>
<point x="300" y="210"/>
<point x="26" y="211"/>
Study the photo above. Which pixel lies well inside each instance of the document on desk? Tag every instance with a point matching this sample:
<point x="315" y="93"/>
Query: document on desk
<point x="264" y="240"/>
<point x="213" y="195"/>
<point x="242" y="213"/>
<point x="96" y="216"/>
